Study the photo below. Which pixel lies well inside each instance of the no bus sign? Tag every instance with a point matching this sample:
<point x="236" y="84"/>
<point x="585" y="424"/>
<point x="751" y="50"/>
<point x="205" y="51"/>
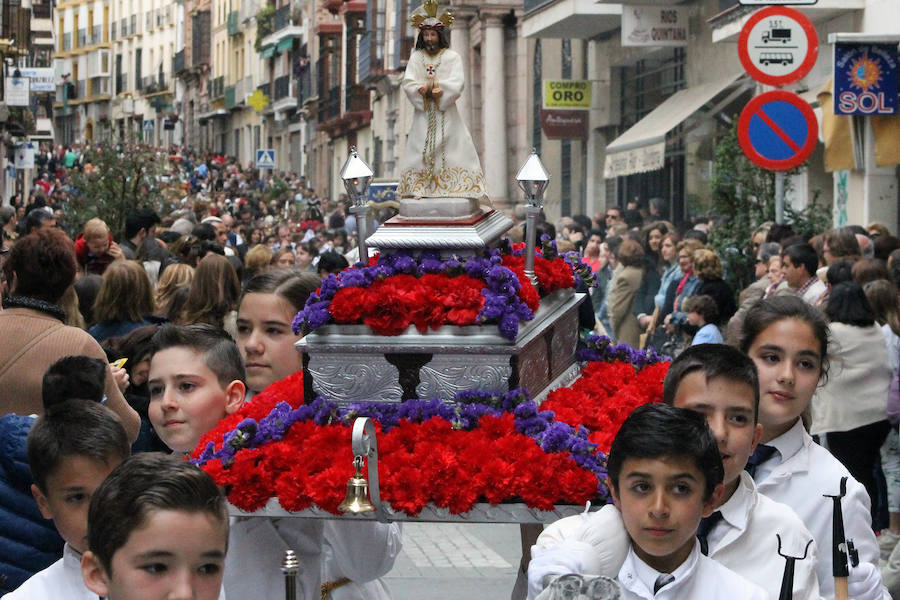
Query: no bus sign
<point x="567" y="93"/>
<point x="778" y="45"/>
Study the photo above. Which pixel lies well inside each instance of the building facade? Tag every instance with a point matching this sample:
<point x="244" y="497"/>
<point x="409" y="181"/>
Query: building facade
<point x="699" y="88"/>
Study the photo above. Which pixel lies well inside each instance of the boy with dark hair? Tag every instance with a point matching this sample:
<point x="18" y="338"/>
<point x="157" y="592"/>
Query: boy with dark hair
<point x="703" y="313"/>
<point x="161" y="510"/>
<point x="665" y="474"/>
<point x="197" y="378"/>
<point x="71" y="450"/>
<point x="721" y="383"/>
<point x="73" y="377"/>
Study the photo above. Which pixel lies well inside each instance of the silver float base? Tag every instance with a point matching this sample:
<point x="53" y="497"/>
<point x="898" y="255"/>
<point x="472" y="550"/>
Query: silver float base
<point x="480" y="513"/>
<point x="350" y="363"/>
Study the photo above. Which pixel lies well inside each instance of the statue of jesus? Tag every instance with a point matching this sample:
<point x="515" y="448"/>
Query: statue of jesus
<point x="440" y="160"/>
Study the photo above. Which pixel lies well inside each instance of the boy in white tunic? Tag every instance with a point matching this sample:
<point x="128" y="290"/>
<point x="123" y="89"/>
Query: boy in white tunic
<point x="71" y="450"/>
<point x="721" y="383"/>
<point x="665" y="473"/>
<point x="196" y="378"/>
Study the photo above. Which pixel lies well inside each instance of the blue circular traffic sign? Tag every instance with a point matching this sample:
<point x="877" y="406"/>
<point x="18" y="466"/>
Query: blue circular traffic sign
<point x="778" y="130"/>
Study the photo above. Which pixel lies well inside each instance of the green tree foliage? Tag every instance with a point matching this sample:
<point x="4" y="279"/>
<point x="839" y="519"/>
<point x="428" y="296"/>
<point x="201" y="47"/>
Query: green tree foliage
<point x="265" y="22"/>
<point x="744" y="195"/>
<point x="124" y="176"/>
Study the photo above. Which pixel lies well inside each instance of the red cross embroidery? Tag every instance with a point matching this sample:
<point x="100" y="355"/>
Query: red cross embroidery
<point x="430" y="70"/>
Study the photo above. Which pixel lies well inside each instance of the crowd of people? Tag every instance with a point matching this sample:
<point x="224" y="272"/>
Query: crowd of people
<point x="175" y="322"/>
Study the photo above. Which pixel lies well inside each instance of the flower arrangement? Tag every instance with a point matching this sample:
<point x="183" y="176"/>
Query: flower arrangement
<point x="399" y="290"/>
<point x="481" y="447"/>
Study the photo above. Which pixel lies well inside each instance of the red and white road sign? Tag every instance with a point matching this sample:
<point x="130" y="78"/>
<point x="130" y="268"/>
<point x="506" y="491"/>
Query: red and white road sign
<point x="778" y="130"/>
<point x="778" y="45"/>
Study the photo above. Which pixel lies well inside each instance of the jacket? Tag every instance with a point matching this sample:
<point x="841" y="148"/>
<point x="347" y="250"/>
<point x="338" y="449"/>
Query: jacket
<point x="859" y="369"/>
<point x="620" y="303"/>
<point x="28" y="541"/>
<point x="89" y="262"/>
<point x="21" y="373"/>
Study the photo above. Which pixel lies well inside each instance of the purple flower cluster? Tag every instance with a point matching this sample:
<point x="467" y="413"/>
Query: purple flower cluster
<point x="250" y="434"/>
<point x="502" y="304"/>
<point x="601" y="348"/>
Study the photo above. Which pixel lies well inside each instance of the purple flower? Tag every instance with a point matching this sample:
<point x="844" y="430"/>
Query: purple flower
<point x="556" y="437"/>
<point x="354" y="278"/>
<point x="404" y="263"/>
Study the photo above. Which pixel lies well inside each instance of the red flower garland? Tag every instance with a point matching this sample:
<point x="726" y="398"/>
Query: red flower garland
<point x="432" y="462"/>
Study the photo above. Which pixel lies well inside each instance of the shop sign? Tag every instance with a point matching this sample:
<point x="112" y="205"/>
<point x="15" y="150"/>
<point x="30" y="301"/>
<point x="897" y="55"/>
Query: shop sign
<point x="567" y="93"/>
<point x="564" y="124"/>
<point x="654" y="25"/>
<point x="865" y="79"/>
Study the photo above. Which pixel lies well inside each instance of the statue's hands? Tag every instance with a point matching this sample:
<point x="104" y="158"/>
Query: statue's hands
<point x="436" y="93"/>
<point x="423" y="91"/>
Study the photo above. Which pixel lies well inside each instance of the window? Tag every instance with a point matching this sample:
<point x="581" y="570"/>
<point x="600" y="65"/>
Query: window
<point x="643" y="87"/>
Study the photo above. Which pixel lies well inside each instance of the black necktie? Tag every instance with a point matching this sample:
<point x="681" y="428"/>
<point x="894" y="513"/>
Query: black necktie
<point x="706" y="525"/>
<point x="759" y="456"/>
<point x="662" y="581"/>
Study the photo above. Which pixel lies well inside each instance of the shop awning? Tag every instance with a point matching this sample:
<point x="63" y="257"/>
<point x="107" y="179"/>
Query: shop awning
<point x="267" y="52"/>
<point x="284" y="44"/>
<point x="643" y="147"/>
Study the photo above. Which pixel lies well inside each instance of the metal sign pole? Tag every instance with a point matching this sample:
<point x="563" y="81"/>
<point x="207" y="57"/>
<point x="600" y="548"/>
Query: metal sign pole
<point x="779" y="197"/>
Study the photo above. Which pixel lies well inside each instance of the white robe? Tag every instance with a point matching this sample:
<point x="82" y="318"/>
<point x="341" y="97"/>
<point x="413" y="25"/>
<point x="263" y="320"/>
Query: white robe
<point x="328" y="550"/>
<point x="457" y="171"/>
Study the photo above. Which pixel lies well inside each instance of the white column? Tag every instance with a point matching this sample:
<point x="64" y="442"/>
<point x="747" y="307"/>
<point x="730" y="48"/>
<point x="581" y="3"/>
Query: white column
<point x="594" y="191"/>
<point x="459" y="41"/>
<point x="493" y="109"/>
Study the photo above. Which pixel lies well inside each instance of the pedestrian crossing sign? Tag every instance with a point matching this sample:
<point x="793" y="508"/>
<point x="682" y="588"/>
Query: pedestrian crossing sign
<point x="265" y="159"/>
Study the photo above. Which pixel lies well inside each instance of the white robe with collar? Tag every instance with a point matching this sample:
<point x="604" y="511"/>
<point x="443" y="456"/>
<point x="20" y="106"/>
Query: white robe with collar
<point x="798" y="475"/>
<point x="698" y="578"/>
<point x="745" y="542"/>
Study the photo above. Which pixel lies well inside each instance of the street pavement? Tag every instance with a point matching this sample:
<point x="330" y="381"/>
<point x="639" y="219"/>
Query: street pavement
<point x="456" y="561"/>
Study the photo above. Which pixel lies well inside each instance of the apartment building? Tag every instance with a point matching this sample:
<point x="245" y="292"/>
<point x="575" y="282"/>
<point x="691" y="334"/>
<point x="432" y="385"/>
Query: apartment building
<point x="83" y="62"/>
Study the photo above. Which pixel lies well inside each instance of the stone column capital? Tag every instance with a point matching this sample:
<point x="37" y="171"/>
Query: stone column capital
<point x="463" y="13"/>
<point x="492" y="17"/>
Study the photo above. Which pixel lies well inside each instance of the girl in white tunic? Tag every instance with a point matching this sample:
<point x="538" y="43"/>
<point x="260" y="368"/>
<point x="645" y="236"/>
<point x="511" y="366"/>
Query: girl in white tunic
<point x="788" y="341"/>
<point x="347" y="557"/>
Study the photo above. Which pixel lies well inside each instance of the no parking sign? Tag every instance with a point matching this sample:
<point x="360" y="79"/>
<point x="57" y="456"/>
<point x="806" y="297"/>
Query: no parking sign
<point x="778" y="130"/>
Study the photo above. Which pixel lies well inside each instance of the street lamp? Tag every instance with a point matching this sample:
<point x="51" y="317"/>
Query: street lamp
<point x="533" y="180"/>
<point x="357" y="175"/>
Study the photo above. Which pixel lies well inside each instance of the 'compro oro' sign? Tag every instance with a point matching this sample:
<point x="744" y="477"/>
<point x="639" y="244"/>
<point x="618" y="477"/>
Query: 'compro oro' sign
<point x="567" y="93"/>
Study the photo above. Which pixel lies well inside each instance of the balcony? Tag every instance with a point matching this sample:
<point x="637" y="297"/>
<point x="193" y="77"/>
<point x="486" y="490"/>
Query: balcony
<point x="282" y="87"/>
<point x="234" y="24"/>
<point x="357" y="99"/>
<point x="99" y="87"/>
<point x="121" y="82"/>
<point x="80" y="89"/>
<point x="230" y="97"/>
<point x="217" y="88"/>
<point x="178" y="62"/>
<point x="282" y="18"/>
<point x="97" y="35"/>
<point x="123" y="27"/>
<point x="577" y="19"/>
<point x="67" y="41"/>
<point x="82" y="38"/>
<point x="42" y="11"/>
<point x="264" y="88"/>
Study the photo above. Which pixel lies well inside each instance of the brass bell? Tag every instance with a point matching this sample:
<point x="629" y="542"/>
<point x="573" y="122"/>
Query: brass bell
<point x="357" y="499"/>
